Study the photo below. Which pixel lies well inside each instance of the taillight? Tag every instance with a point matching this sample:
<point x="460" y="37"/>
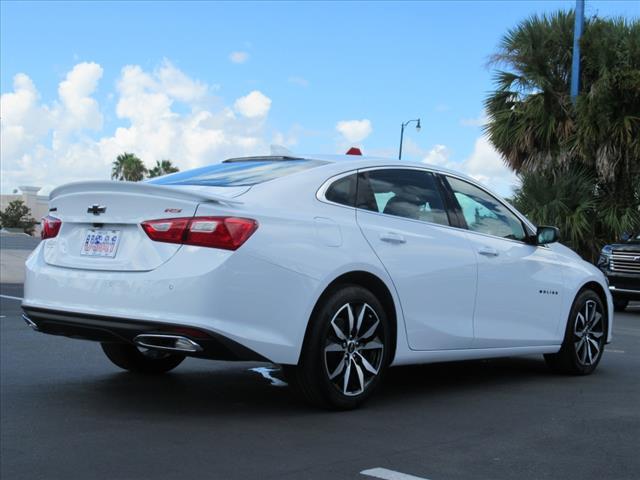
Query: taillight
<point x="50" y="227"/>
<point x="228" y="233"/>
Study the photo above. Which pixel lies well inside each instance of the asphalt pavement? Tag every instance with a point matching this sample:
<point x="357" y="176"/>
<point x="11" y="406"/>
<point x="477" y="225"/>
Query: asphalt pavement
<point x="68" y="413"/>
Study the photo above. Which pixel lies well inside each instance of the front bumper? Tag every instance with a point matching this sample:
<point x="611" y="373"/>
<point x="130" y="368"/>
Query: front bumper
<point x="624" y="293"/>
<point x="623" y="286"/>
<point x="110" y="329"/>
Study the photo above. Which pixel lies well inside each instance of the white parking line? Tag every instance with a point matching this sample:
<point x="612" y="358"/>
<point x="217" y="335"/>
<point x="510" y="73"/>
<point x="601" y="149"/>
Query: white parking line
<point x="9" y="297"/>
<point x="610" y="350"/>
<point x="386" y="474"/>
<point x="266" y="373"/>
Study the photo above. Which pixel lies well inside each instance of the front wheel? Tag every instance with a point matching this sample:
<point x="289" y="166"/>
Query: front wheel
<point x="141" y="360"/>
<point x="584" y="339"/>
<point x="346" y="350"/>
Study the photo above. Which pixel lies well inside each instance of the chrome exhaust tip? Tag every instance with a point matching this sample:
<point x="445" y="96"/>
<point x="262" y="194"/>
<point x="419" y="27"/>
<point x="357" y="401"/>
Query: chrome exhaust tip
<point x="174" y="343"/>
<point x="29" y="322"/>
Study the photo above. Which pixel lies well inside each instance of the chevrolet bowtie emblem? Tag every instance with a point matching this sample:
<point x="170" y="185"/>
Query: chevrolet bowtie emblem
<point x="96" y="209"/>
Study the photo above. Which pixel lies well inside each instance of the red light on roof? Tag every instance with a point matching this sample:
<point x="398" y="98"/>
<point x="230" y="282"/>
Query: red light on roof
<point x="354" y="151"/>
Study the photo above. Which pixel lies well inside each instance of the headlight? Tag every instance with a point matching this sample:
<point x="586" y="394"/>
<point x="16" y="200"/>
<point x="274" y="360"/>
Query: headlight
<point x="605" y="256"/>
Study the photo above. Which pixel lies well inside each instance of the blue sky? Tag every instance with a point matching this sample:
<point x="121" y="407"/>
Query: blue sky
<point x="317" y="63"/>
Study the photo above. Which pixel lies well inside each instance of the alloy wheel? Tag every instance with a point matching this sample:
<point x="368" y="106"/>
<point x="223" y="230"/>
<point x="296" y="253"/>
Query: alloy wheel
<point x="588" y="333"/>
<point x="353" y="350"/>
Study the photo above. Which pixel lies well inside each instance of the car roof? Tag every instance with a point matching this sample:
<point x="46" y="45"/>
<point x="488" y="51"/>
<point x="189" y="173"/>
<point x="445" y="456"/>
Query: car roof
<point x="349" y="162"/>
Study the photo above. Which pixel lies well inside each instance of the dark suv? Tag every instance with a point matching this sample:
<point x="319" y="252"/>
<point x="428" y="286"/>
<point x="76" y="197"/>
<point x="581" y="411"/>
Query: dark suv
<point x="620" y="262"/>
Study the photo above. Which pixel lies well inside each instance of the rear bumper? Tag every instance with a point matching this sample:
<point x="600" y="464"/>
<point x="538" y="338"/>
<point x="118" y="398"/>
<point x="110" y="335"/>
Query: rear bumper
<point x="238" y="297"/>
<point x="110" y="329"/>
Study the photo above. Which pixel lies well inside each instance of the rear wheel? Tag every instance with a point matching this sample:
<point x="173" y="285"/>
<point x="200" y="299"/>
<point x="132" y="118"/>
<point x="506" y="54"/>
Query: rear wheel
<point x="346" y="350"/>
<point x="141" y="360"/>
<point x="619" y="305"/>
<point x="584" y="339"/>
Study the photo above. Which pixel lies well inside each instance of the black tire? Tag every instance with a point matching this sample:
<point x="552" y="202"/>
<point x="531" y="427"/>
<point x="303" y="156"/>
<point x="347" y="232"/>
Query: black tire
<point x="129" y="357"/>
<point x="584" y="338"/>
<point x="619" y="305"/>
<point x="365" y="350"/>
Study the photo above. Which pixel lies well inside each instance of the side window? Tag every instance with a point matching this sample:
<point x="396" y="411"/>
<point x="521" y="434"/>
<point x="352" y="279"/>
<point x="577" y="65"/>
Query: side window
<point x="484" y="213"/>
<point x="403" y="193"/>
<point x="343" y="191"/>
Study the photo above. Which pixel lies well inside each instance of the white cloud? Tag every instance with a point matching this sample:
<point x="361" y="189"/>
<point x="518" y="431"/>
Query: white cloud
<point x="239" y="57"/>
<point x="354" y="131"/>
<point x="479" y="121"/>
<point x="24" y="121"/>
<point x="300" y="81"/>
<point x="79" y="110"/>
<point x="180" y="86"/>
<point x="484" y="165"/>
<point x="53" y="143"/>
<point x="254" y="105"/>
<point x="438" y="155"/>
<point x="487" y="166"/>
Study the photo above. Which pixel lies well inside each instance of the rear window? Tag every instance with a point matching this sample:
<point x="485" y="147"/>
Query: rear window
<point x="237" y="173"/>
<point x="343" y="191"/>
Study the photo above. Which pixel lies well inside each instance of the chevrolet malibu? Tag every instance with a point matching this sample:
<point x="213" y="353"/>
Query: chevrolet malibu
<point x="335" y="267"/>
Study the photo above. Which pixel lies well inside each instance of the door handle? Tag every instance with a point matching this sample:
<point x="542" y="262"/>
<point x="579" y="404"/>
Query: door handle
<point x="488" y="251"/>
<point x="391" y="237"/>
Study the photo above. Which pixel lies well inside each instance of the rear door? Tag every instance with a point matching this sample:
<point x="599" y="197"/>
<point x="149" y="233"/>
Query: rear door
<point x="519" y="298"/>
<point x="401" y="214"/>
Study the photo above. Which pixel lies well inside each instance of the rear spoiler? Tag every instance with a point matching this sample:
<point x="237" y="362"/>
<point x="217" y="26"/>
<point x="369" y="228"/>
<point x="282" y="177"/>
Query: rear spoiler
<point x="101" y="186"/>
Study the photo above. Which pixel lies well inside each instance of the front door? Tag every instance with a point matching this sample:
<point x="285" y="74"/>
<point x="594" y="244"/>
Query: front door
<point x="519" y="299"/>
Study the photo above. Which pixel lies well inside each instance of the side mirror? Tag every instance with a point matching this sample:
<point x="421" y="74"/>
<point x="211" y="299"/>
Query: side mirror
<point x="546" y="235"/>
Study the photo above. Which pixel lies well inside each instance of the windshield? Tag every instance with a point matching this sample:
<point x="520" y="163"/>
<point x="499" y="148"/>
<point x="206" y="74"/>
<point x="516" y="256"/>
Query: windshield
<point x="237" y="173"/>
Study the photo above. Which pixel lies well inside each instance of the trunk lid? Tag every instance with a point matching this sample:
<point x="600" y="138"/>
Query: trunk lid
<point x="101" y="223"/>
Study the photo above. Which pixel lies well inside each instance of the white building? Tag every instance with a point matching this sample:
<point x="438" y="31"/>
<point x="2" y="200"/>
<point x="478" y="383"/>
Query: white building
<point x="39" y="204"/>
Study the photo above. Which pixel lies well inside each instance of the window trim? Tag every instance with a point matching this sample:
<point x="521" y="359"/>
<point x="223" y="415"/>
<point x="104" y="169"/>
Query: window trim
<point x="526" y="225"/>
<point x="452" y="206"/>
<point x="437" y="191"/>
<point x="320" y="194"/>
<point x="460" y="223"/>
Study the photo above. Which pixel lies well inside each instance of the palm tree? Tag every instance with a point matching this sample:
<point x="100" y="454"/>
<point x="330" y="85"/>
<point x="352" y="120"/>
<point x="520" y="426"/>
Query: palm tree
<point x="539" y="131"/>
<point x="128" y="167"/>
<point x="163" y="167"/>
<point x="565" y="200"/>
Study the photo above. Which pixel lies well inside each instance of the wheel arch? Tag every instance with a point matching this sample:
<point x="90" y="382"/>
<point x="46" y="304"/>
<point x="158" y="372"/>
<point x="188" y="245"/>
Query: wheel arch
<point x="372" y="283"/>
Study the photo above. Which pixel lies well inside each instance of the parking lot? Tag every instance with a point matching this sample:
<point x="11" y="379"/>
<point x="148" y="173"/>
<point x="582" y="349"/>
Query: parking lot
<point x="68" y="413"/>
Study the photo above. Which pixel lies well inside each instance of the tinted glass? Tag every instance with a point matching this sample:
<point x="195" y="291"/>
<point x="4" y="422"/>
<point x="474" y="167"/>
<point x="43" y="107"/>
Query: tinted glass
<point x="343" y="191"/>
<point x="403" y="193"/>
<point x="238" y="173"/>
<point x="484" y="213"/>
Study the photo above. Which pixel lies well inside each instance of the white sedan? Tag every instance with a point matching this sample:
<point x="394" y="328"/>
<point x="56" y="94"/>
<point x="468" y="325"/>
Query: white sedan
<point x="335" y="267"/>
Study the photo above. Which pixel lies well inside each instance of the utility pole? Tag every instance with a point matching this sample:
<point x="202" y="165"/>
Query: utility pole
<point x="575" y="65"/>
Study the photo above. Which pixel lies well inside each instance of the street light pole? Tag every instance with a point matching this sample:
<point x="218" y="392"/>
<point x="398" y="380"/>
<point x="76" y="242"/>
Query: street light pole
<point x="575" y="64"/>
<point x="417" y="120"/>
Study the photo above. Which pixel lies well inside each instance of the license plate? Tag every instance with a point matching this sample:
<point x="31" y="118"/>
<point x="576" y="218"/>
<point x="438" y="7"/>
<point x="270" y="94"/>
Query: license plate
<point x="101" y="243"/>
